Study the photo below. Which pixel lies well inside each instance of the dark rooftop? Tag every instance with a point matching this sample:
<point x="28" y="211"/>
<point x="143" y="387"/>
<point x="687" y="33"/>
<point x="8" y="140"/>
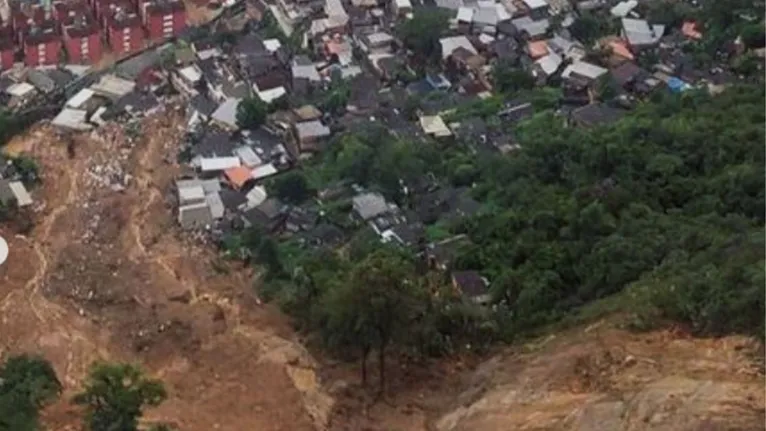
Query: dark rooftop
<point x="470" y="283"/>
<point x="203" y="104"/>
<point x="596" y="114"/>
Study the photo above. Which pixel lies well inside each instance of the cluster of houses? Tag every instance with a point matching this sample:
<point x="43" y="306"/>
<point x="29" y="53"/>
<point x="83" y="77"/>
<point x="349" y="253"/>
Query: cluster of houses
<point x="354" y="41"/>
<point x="83" y="31"/>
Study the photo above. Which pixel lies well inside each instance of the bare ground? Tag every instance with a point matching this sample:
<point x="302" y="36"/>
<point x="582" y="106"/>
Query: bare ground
<point x="104" y="275"/>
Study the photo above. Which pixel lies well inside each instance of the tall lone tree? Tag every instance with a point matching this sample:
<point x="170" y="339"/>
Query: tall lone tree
<point x="115" y="395"/>
<point x="373" y="307"/>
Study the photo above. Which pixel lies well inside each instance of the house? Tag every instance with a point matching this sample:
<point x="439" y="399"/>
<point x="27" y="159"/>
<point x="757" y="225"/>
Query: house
<point x="639" y="34"/>
<point x="7" y="49"/>
<point x="466" y="60"/>
<point x="536" y="9"/>
<point x="195" y="216"/>
<point x="42" y="45"/>
<point x="163" y="18"/>
<point x="441" y="254"/>
<point x="226" y="114"/>
<point x="268" y="215"/>
<point x="547" y="66"/>
<point x="623" y="8"/>
<point x="596" y="114"/>
<point x="14" y="193"/>
<point x="376" y="43"/>
<point x="325" y="235"/>
<point x="537" y="49"/>
<point x="310" y="134"/>
<point x="42" y="82"/>
<point x="516" y="110"/>
<point x="690" y="30"/>
<point x="216" y="165"/>
<point x="566" y="47"/>
<point x="307" y="113"/>
<point x="484" y="17"/>
<point x="433" y="125"/>
<point x="450" y="44"/>
<point x="505" y="49"/>
<point x="82" y="39"/>
<point x="368" y="206"/>
<point x="405" y="234"/>
<point x="626" y="74"/>
<point x="301" y="219"/>
<point x="528" y="28"/>
<point x="583" y="71"/>
<point x="187" y="79"/>
<point x="113" y="87"/>
<point x="472" y="286"/>
<point x="199" y="203"/>
<point x="401" y="8"/>
<point x="203" y="106"/>
<point x="124" y="31"/>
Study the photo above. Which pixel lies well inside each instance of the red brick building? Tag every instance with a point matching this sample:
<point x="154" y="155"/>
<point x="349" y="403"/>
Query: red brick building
<point x="7" y="48"/>
<point x="163" y="18"/>
<point x="42" y="45"/>
<point x="82" y="39"/>
<point x="123" y="31"/>
<point x="24" y="17"/>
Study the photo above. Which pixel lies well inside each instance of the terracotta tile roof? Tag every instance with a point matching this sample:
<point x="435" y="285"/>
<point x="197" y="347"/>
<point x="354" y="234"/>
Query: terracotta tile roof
<point x="620" y="48"/>
<point x="689" y="29"/>
<point x="238" y="176"/>
<point x="537" y="49"/>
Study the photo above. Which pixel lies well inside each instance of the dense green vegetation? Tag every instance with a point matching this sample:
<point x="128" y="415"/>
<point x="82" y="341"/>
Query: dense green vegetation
<point x="668" y="200"/>
<point x="421" y="34"/>
<point x="27" y="383"/>
<point x="114" y="395"/>
<point x="251" y="112"/>
<point x="587" y="212"/>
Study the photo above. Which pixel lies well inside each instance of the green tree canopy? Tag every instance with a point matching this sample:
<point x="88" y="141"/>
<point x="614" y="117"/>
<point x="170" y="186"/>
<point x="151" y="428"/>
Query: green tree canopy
<point x="373" y="307"/>
<point x="27" y="383"/>
<point x="421" y="34"/>
<point x="115" y="396"/>
<point x="251" y="112"/>
<point x="291" y="187"/>
<point x="509" y="79"/>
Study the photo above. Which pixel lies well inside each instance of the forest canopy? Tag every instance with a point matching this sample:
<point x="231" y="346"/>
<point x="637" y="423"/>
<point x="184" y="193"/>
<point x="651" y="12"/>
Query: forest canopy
<point x="667" y="201"/>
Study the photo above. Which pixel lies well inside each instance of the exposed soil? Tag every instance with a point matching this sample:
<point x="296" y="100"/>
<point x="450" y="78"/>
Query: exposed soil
<point x="105" y="275"/>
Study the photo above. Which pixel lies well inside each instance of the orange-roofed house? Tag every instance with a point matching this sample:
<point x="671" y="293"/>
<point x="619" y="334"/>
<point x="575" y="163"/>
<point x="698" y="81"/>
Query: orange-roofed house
<point x="537" y="49"/>
<point x="238" y="176"/>
<point x="620" y="48"/>
<point x="690" y="30"/>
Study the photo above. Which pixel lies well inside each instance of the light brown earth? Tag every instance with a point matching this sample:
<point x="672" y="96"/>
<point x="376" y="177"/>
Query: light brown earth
<point x="105" y="274"/>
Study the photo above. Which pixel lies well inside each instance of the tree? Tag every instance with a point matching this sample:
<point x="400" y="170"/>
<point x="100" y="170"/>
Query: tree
<point x="27" y="383"/>
<point x="336" y="98"/>
<point x="292" y="187"/>
<point x="588" y="28"/>
<point x="509" y="79"/>
<point x="754" y="36"/>
<point x="251" y="112"/>
<point x="115" y="396"/>
<point x="373" y="307"/>
<point x="421" y="34"/>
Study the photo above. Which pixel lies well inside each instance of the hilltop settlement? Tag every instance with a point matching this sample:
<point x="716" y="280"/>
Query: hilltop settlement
<point x="276" y="90"/>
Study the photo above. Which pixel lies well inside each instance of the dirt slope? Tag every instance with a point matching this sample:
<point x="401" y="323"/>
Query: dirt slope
<point x="105" y="275"/>
<point x="602" y="378"/>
